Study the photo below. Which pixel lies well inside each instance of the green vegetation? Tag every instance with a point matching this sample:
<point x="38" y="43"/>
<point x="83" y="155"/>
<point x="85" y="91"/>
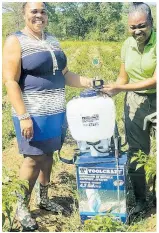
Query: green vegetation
<point x="109" y="224"/>
<point x="104" y="224"/>
<point x="149" y="163"/>
<point x="7" y="125"/>
<point x="10" y="186"/>
<point x="102" y="21"/>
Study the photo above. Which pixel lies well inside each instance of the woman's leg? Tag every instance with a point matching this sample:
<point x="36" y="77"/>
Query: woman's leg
<point x="43" y="184"/>
<point x="30" y="169"/>
<point x="45" y="169"/>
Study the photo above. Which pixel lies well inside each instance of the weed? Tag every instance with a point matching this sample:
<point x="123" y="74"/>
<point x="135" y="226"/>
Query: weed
<point x="149" y="163"/>
<point x="11" y="186"/>
<point x="105" y="223"/>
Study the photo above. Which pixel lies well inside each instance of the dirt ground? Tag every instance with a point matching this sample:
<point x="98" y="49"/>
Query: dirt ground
<point x="63" y="191"/>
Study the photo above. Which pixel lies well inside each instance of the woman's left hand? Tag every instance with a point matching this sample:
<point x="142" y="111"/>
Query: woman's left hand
<point x="111" y="89"/>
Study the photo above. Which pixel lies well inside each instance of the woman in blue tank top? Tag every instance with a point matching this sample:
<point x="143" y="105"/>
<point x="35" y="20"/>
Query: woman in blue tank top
<point x="35" y="74"/>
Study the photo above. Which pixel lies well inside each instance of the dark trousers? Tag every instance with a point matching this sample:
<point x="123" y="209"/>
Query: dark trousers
<point x="137" y="178"/>
<point x="137" y="107"/>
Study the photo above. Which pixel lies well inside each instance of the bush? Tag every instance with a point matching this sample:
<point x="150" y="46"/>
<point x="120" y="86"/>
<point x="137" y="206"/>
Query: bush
<point x="149" y="163"/>
<point x="104" y="224"/>
<point x="10" y="186"/>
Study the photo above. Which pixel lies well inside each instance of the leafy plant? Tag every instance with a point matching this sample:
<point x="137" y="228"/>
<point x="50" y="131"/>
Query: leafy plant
<point x="143" y="225"/>
<point x="105" y="223"/>
<point x="10" y="186"/>
<point x="149" y="163"/>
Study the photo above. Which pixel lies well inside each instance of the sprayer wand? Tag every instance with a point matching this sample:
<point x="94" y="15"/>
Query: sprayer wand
<point x="116" y="144"/>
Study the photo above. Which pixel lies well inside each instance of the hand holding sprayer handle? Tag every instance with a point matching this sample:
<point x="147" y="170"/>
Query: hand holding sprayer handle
<point x="98" y="83"/>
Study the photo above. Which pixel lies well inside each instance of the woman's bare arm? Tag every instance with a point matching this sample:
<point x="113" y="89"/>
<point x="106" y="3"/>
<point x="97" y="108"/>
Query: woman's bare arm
<point x="122" y="84"/>
<point x="75" y="80"/>
<point x="11" y="75"/>
<point x="11" y="69"/>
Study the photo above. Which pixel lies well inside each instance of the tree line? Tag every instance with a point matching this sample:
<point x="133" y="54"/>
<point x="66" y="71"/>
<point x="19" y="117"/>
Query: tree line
<point x="101" y="21"/>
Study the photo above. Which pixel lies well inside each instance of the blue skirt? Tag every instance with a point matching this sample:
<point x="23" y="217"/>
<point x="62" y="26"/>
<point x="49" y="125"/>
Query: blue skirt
<point x="47" y="138"/>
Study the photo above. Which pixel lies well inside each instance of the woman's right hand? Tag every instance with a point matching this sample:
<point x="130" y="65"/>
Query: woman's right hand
<point x="111" y="89"/>
<point x="26" y="126"/>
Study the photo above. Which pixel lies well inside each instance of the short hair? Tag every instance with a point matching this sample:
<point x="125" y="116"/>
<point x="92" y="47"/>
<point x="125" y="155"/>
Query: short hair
<point x="25" y="3"/>
<point x="141" y="7"/>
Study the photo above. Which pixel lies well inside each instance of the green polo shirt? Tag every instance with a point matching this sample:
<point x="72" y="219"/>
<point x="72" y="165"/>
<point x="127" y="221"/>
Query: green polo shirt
<point x="140" y="66"/>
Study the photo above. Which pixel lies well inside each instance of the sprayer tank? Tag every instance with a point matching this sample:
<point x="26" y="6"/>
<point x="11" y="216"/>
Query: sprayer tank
<point x="91" y="117"/>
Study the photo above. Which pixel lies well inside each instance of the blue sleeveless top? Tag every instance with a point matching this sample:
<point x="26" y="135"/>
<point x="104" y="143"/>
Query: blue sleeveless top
<point x="43" y="90"/>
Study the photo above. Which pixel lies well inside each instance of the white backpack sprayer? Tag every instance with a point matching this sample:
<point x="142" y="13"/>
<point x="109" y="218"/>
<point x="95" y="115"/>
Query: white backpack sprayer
<point x="100" y="165"/>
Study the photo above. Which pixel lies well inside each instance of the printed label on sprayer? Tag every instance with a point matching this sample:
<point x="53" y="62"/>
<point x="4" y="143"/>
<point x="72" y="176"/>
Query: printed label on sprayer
<point x="97" y="177"/>
<point x="90" y="120"/>
<point x="108" y="171"/>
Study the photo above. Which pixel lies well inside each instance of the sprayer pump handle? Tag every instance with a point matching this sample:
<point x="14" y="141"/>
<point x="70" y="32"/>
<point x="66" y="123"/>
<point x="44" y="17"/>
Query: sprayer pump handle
<point x="98" y="83"/>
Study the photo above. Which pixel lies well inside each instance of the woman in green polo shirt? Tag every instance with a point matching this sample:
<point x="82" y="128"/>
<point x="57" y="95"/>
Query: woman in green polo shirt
<point x="137" y="78"/>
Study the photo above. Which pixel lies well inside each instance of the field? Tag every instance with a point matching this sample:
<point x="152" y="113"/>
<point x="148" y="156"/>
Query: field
<point x="63" y="181"/>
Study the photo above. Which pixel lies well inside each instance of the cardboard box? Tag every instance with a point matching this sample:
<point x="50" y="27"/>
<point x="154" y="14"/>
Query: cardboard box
<point x="97" y="185"/>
